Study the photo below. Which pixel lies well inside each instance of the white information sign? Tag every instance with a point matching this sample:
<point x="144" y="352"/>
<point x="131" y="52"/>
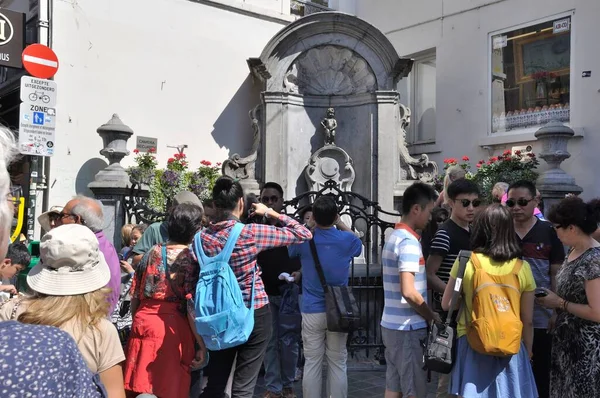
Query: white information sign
<point x="38" y="91"/>
<point x="563" y="25"/>
<point x="143" y="144"/>
<point x="37" y="127"/>
<point x="500" y="42"/>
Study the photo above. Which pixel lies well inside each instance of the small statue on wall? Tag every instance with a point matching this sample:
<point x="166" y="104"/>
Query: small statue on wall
<point x="329" y="125"/>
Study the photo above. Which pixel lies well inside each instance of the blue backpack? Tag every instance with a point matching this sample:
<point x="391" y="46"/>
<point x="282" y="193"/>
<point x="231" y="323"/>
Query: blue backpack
<point x="222" y="318"/>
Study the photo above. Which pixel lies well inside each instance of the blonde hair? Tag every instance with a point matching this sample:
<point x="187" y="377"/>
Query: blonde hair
<point x="499" y="189"/>
<point x="87" y="310"/>
<point x="452" y="174"/>
<point x="126" y="234"/>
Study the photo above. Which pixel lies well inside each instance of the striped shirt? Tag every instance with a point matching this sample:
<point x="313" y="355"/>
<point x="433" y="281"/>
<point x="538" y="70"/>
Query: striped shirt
<point x="253" y="239"/>
<point x="447" y="243"/>
<point x="402" y="253"/>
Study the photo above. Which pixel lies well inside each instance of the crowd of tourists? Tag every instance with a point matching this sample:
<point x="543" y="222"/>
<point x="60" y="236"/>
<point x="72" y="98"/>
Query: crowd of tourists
<point x="198" y="304"/>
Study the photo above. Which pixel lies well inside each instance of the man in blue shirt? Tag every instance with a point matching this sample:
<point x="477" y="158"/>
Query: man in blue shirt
<point x="336" y="246"/>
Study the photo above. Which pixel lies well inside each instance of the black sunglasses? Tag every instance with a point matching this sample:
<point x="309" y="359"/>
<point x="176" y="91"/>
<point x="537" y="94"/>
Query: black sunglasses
<point x="521" y="202"/>
<point x="467" y="202"/>
<point x="268" y="199"/>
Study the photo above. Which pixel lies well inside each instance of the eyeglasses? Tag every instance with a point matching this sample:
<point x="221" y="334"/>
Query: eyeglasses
<point x="521" y="202"/>
<point x="467" y="202"/>
<point x="14" y="193"/>
<point x="63" y="215"/>
<point x="269" y="199"/>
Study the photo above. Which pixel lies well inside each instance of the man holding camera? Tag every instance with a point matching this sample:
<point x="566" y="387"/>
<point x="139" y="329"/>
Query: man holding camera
<point x="281" y="357"/>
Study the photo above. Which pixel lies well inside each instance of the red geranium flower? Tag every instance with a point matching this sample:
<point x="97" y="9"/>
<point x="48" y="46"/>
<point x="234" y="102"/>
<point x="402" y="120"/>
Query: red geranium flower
<point x="465" y="158"/>
<point x="171" y="160"/>
<point x="136" y="151"/>
<point x="494" y="159"/>
<point x="152" y="150"/>
<point x="507" y="152"/>
<point x="517" y="152"/>
<point x="481" y="161"/>
<point x="478" y="165"/>
<point x="531" y="154"/>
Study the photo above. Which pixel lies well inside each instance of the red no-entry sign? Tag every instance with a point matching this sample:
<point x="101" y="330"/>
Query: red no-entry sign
<point x="40" y="61"/>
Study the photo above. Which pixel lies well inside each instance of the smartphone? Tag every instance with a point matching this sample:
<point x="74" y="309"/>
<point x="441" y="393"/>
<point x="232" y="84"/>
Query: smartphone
<point x="540" y="293"/>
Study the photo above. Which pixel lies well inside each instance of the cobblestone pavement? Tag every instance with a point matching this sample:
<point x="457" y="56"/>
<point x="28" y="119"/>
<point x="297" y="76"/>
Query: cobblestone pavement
<point x="361" y="384"/>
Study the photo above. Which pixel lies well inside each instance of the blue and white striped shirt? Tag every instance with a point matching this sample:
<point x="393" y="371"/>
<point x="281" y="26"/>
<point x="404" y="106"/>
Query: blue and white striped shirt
<point x="402" y="253"/>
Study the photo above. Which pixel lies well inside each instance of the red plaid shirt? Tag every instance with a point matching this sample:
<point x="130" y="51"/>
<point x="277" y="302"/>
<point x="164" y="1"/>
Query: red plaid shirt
<point x="253" y="239"/>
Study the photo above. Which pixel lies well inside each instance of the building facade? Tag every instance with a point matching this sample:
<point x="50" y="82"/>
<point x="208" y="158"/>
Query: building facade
<point x="487" y="74"/>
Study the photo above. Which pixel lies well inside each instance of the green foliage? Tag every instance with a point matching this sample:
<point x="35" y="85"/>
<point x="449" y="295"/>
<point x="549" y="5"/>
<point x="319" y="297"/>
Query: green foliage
<point x="507" y="167"/>
<point x="164" y="184"/>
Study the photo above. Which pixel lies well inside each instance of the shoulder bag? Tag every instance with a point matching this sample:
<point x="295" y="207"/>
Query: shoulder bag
<point x="440" y="347"/>
<point x="340" y="305"/>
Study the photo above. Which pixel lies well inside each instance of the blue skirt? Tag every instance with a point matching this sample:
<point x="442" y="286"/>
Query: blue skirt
<point x="484" y="376"/>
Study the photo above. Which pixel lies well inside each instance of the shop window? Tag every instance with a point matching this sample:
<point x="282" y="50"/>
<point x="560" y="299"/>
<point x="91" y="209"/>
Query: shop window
<point x="531" y="75"/>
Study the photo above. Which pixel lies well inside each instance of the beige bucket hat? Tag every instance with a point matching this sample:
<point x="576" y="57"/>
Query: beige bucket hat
<point x="70" y="263"/>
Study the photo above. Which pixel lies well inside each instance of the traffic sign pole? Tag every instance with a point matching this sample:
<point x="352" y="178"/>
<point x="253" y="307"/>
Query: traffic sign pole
<point x="37" y="119"/>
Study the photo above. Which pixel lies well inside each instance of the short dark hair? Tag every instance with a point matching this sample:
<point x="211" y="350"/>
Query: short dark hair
<point x="493" y="234"/>
<point x="528" y="185"/>
<point x="325" y="210"/>
<point x="226" y="193"/>
<point x="184" y="221"/>
<point x="305" y="210"/>
<point x="462" y="186"/>
<point x="418" y="193"/>
<point x="272" y="185"/>
<point x="18" y="254"/>
<point x="574" y="211"/>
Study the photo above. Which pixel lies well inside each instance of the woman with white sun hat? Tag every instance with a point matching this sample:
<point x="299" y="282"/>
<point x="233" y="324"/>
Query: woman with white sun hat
<point x="69" y="293"/>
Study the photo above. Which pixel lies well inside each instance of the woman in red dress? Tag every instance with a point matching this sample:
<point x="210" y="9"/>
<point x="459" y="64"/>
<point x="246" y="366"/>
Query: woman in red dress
<point x="161" y="347"/>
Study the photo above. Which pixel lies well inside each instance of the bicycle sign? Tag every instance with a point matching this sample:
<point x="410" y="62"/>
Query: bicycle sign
<point x="38" y="91"/>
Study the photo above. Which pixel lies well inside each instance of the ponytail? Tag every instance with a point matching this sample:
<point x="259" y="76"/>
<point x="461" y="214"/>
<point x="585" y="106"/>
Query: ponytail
<point x="226" y="193"/>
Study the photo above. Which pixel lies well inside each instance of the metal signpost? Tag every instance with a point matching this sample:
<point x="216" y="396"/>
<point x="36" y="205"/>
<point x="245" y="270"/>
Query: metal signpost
<point x="37" y="119"/>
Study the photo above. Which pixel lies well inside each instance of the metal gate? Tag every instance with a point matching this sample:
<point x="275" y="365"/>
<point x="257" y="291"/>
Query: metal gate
<point x="362" y="215"/>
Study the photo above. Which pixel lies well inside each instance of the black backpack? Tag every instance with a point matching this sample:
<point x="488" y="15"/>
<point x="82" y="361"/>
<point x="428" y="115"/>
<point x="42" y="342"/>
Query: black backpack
<point x="440" y="346"/>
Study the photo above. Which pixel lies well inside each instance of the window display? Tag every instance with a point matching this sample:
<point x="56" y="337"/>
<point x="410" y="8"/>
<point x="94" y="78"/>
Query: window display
<point x="530" y="80"/>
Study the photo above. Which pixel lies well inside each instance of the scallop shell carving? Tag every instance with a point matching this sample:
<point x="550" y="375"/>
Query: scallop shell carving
<point x="330" y="70"/>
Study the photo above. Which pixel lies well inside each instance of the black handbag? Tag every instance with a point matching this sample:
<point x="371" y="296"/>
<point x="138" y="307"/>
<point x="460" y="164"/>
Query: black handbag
<point x="440" y="347"/>
<point x="340" y="305"/>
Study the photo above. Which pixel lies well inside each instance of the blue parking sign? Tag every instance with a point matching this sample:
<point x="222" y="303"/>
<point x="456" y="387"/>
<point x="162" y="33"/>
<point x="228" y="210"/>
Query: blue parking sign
<point x="38" y="118"/>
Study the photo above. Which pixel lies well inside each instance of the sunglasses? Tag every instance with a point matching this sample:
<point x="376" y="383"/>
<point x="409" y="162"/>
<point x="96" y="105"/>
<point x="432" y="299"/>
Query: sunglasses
<point x="467" y="202"/>
<point x="521" y="202"/>
<point x="269" y="199"/>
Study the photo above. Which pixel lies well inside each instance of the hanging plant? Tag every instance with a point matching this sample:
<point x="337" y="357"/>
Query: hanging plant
<point x="164" y="184"/>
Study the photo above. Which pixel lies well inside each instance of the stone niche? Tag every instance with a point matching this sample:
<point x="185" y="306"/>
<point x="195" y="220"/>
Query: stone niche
<point x="334" y="60"/>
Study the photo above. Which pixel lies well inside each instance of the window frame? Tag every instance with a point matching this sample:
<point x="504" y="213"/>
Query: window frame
<point x="572" y="99"/>
<point x="413" y="86"/>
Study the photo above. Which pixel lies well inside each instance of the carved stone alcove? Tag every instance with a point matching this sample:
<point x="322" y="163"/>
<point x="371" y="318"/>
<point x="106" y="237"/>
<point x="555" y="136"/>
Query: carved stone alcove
<point x="330" y="70"/>
<point x="334" y="60"/>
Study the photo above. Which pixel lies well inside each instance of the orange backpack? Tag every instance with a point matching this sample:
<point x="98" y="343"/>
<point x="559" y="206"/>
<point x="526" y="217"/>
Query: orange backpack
<point x="495" y="327"/>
